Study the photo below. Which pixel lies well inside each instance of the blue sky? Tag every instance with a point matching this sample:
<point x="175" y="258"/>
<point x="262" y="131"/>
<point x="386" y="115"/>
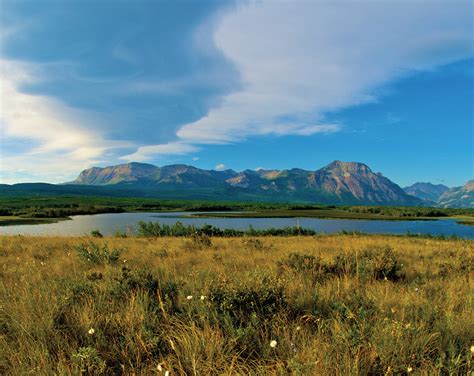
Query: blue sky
<point x="240" y="84"/>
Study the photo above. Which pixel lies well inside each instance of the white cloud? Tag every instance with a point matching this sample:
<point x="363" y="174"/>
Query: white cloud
<point x="195" y="158"/>
<point x="301" y="60"/>
<point x="145" y="153"/>
<point x="61" y="145"/>
<point x="220" y="167"/>
<point x="298" y="61"/>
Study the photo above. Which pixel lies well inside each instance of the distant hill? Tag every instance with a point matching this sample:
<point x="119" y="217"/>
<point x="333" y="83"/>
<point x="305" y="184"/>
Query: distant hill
<point x="351" y="183"/>
<point x="458" y="197"/>
<point x="426" y="191"/>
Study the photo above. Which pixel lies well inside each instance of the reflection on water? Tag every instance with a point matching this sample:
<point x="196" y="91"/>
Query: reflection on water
<point x="108" y="224"/>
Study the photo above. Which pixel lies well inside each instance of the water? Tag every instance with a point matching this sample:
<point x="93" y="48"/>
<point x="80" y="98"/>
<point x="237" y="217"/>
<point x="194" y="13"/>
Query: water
<point x="108" y="224"/>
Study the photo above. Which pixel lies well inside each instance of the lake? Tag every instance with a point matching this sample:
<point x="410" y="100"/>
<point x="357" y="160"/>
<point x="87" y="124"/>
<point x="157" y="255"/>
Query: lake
<point x="108" y="224"/>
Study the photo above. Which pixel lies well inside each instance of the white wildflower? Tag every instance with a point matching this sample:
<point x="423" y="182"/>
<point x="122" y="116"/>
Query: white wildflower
<point x="273" y="343"/>
<point x="409" y="369"/>
<point x="203" y="297"/>
<point x="167" y="373"/>
<point x="298" y="328"/>
<point x="159" y="368"/>
<point x="472" y="349"/>
<point x="189" y="297"/>
<point x="293" y="347"/>
<point x="91" y="331"/>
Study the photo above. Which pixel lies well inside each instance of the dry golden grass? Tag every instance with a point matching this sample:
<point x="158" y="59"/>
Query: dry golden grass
<point x="327" y="318"/>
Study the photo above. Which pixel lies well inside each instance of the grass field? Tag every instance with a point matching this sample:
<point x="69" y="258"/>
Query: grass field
<point x="314" y="305"/>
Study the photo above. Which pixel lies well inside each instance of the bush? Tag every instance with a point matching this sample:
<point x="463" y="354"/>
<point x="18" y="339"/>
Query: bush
<point x="96" y="234"/>
<point x="378" y="263"/>
<point x="307" y="265"/>
<point x="88" y="361"/>
<point x="253" y="244"/>
<point x="95" y="254"/>
<point x="143" y="281"/>
<point x="241" y="304"/>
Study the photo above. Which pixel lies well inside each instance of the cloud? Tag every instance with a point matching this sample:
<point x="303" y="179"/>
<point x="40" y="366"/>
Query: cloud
<point x="76" y="94"/>
<point x="220" y="167"/>
<point x="145" y="153"/>
<point x="300" y="61"/>
<point x="133" y="72"/>
<point x="59" y="144"/>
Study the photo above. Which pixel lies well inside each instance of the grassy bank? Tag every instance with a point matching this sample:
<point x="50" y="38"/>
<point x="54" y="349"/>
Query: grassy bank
<point x="37" y="209"/>
<point x="318" y="213"/>
<point x="15" y="220"/>
<point x="316" y="305"/>
<point x="466" y="222"/>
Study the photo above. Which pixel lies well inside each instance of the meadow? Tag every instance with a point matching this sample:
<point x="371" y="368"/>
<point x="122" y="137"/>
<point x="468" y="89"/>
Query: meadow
<point x="204" y="305"/>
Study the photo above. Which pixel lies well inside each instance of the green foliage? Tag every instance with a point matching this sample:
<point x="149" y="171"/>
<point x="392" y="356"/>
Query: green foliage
<point x="307" y="265"/>
<point x="155" y="229"/>
<point x="240" y="304"/>
<point x="253" y="244"/>
<point x="48" y="205"/>
<point x="96" y="234"/>
<point x="96" y="254"/>
<point x="88" y="361"/>
<point x="378" y="263"/>
<point x="144" y="282"/>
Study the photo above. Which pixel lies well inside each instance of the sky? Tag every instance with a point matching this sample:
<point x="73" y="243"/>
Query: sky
<point x="237" y="84"/>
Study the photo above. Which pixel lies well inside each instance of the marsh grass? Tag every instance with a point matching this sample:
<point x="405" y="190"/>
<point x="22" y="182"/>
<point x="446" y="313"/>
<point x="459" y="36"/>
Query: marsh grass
<point x="342" y="304"/>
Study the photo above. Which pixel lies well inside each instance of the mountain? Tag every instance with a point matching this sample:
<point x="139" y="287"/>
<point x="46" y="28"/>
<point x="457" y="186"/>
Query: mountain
<point x="129" y="172"/>
<point x="458" y="197"/>
<point x="426" y="191"/>
<point x="143" y="174"/>
<point x="338" y="183"/>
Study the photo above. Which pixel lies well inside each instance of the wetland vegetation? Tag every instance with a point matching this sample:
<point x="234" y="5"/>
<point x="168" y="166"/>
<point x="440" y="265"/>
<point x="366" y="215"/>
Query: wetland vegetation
<point x="201" y="304"/>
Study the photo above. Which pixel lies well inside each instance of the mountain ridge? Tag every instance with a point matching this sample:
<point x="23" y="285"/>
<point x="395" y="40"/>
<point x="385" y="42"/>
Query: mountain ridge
<point x="426" y="190"/>
<point x="337" y="183"/>
<point x="461" y="197"/>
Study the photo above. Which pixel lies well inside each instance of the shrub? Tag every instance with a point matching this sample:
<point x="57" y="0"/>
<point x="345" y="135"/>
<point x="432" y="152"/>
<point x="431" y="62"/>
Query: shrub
<point x="198" y="241"/>
<point x="133" y="281"/>
<point x="373" y="263"/>
<point x="240" y="304"/>
<point x="201" y="240"/>
<point x="120" y="234"/>
<point x="98" y="255"/>
<point x="96" y="234"/>
<point x="307" y="265"/>
<point x="253" y="244"/>
<point x="88" y="361"/>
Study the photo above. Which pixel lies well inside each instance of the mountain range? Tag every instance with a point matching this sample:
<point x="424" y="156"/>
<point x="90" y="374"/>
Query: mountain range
<point x="339" y="183"/>
<point x="426" y="191"/>
<point x="443" y="196"/>
<point x="460" y="197"/>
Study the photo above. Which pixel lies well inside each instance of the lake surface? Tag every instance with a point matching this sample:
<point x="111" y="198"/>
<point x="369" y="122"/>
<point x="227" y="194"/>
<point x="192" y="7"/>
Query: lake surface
<point x="108" y="224"/>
